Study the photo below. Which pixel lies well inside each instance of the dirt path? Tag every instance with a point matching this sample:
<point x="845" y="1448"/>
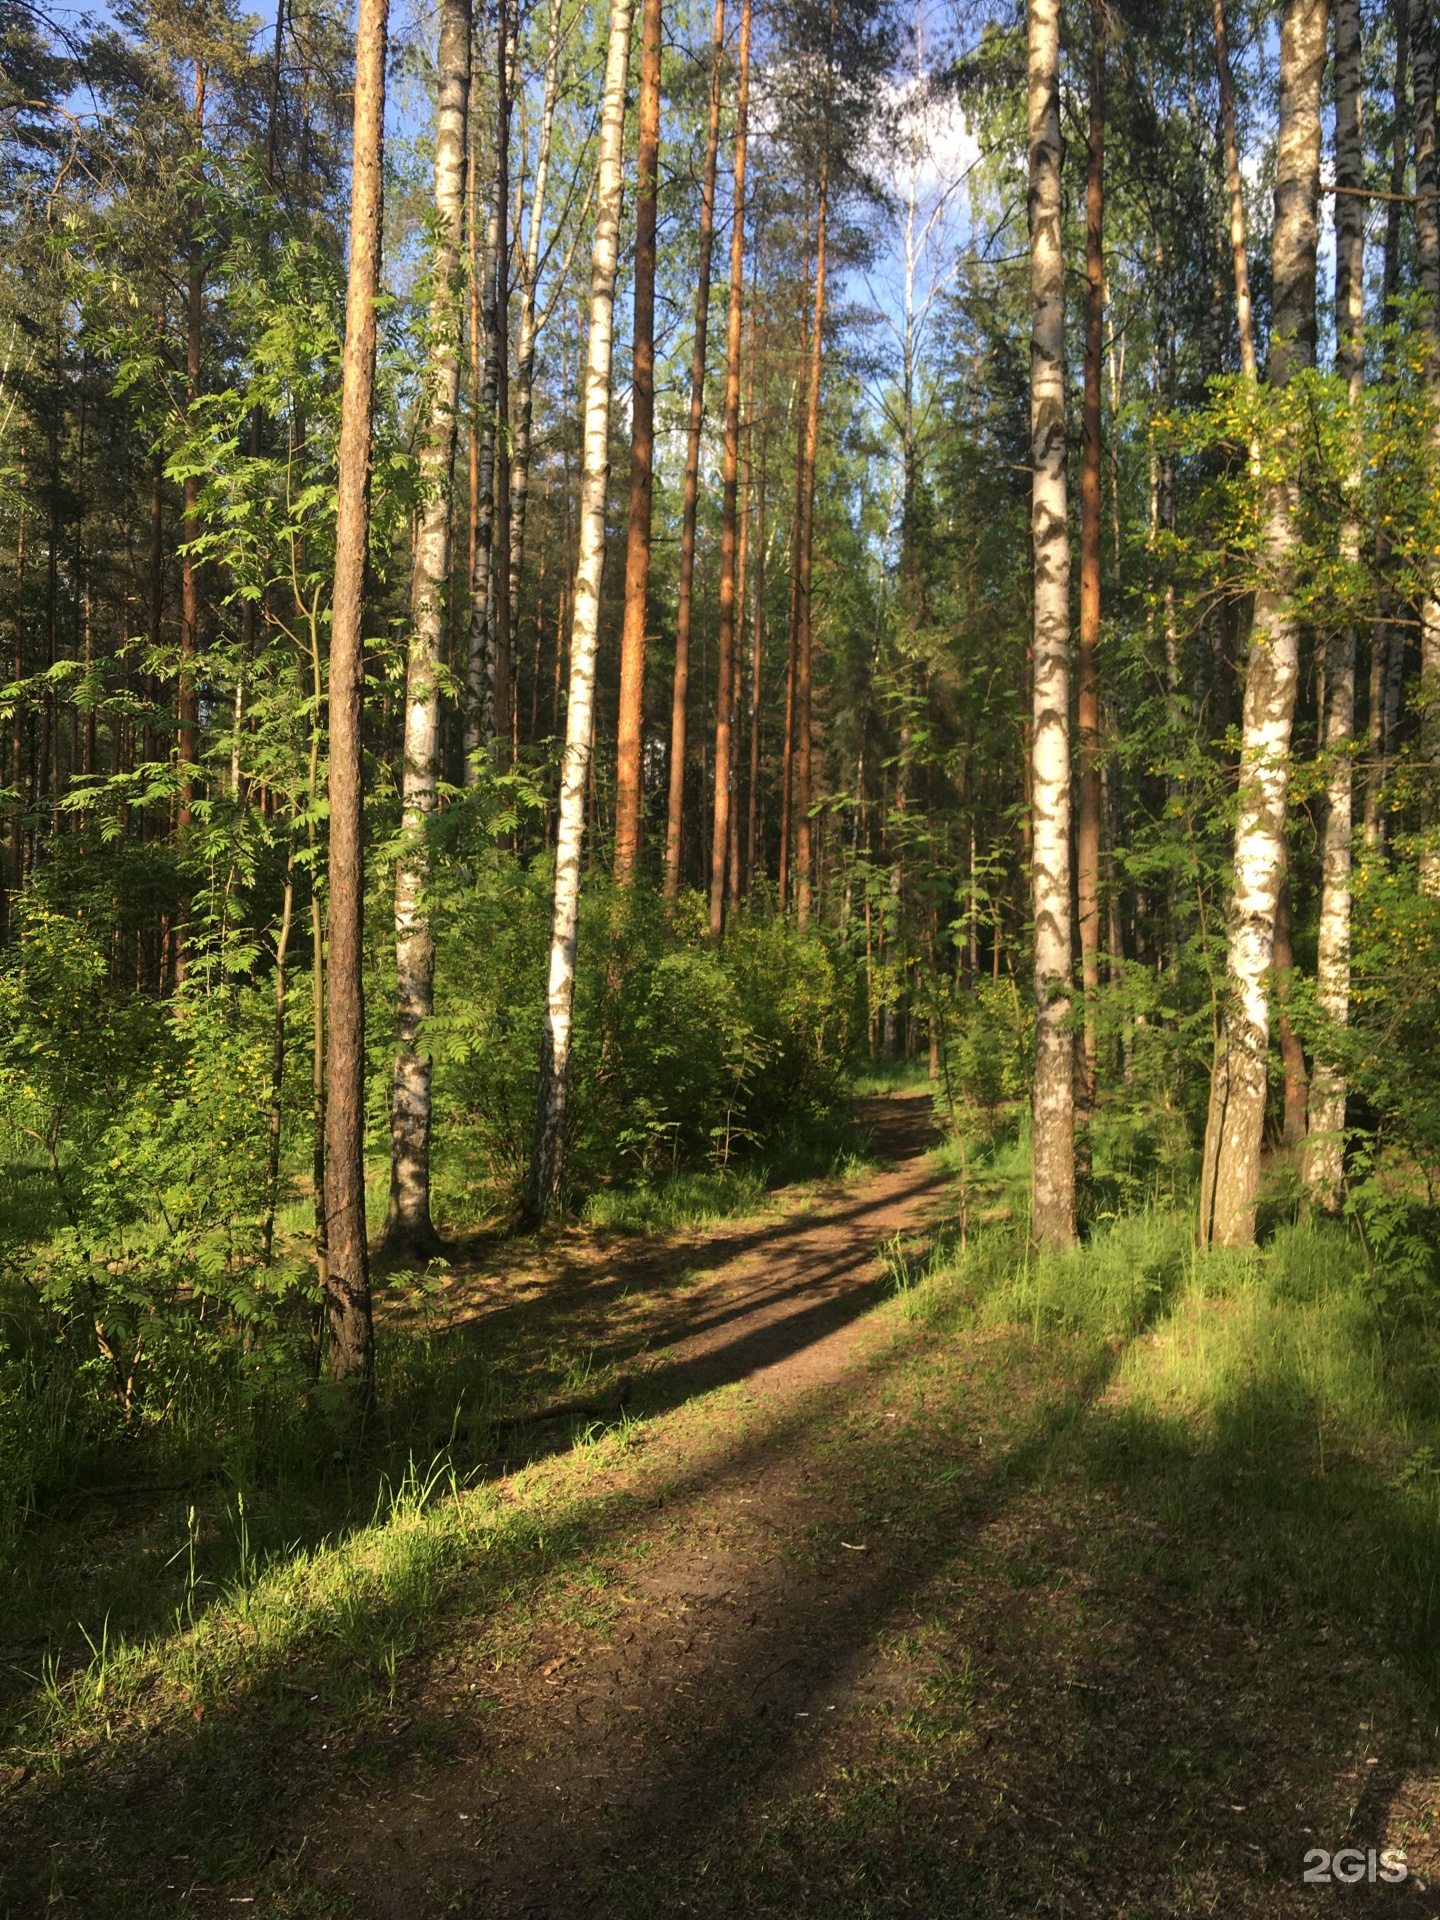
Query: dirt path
<point x="587" y="1737"/>
<point x="871" y="1614"/>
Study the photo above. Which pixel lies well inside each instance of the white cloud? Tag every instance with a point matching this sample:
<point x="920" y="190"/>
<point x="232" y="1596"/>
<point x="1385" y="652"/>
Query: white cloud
<point x="928" y="146"/>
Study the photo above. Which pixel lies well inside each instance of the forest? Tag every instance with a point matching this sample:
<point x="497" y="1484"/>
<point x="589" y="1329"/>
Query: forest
<point x="719" y="958"/>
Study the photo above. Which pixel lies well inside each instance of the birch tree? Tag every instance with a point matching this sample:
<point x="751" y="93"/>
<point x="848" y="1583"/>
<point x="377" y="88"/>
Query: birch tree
<point x="530" y="321"/>
<point x="1427" y="250"/>
<point x="1381" y="647"/>
<point x="1235" y="194"/>
<point x="1324" y="1151"/>
<point x="547" y="1163"/>
<point x="408" y="1228"/>
<point x="1052" y="1202"/>
<point x="1230" y="1176"/>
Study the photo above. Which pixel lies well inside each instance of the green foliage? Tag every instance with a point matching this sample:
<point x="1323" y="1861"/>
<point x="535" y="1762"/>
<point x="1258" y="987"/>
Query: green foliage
<point x="685" y="1055"/>
<point x="1391" y="1049"/>
<point x="153" y="1297"/>
<point x="986" y="1037"/>
<point x="69" y="1049"/>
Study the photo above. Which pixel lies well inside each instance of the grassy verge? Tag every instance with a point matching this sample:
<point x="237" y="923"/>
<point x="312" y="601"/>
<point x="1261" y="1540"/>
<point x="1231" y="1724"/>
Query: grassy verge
<point x="120" y="1529"/>
<point x="1156" y="1549"/>
<point x="891" y="1076"/>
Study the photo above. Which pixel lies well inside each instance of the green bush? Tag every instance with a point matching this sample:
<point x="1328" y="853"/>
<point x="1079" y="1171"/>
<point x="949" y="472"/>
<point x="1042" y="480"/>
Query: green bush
<point x="146" y="1294"/>
<point x="986" y="1039"/>
<point x="685" y="1054"/>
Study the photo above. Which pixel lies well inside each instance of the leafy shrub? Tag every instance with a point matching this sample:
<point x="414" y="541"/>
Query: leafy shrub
<point x="685" y="1054"/>
<point x="986" y="1039"/>
<point x="154" y="1123"/>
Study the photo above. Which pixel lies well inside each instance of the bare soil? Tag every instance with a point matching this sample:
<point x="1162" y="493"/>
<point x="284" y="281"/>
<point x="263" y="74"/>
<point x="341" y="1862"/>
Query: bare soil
<point x="721" y="1621"/>
<point x="805" y="1677"/>
<point x="877" y="1609"/>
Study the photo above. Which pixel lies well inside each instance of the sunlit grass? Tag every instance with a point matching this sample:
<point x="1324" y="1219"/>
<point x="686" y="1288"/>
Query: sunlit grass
<point x="1277" y="1411"/>
<point x="685" y="1200"/>
<point x="891" y="1076"/>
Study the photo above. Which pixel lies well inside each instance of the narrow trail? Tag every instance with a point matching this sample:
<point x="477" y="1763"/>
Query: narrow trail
<point x="867" y="1616"/>
<point x="556" y="1758"/>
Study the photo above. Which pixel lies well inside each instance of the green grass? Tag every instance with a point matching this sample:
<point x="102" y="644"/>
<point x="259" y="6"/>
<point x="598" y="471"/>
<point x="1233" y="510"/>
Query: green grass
<point x="685" y="1200"/>
<point x="890" y="1076"/>
<point x="1069" y="1448"/>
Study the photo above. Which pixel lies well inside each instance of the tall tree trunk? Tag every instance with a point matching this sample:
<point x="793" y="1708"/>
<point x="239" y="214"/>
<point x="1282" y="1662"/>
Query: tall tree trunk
<point x="481" y="718"/>
<point x="1235" y="189"/>
<point x="1427" y="249"/>
<point x="735" y="884"/>
<point x="629" y="745"/>
<point x="17" y="723"/>
<point x="250" y="609"/>
<point x="1230" y="1177"/>
<point x="1292" y="1054"/>
<point x="408" y="1228"/>
<point x="752" y="820"/>
<point x="352" y="1343"/>
<point x="680" y="696"/>
<point x="468" y="661"/>
<point x="188" y="711"/>
<point x="1087" y="838"/>
<point x="734" y="872"/>
<point x="797" y="521"/>
<point x="523" y="408"/>
<point x="547" y="1163"/>
<point x="805" y="573"/>
<point x="318" y="1051"/>
<point x="277" y="1061"/>
<point x="1052" y="1203"/>
<point x="1324" y="1157"/>
<point x="724" y="705"/>
<point x="1380" y="630"/>
<point x="500" y="563"/>
<point x="892" y="925"/>
<point x="155" y="608"/>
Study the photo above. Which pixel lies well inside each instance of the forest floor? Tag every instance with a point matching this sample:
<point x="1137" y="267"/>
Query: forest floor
<point x="865" y="1604"/>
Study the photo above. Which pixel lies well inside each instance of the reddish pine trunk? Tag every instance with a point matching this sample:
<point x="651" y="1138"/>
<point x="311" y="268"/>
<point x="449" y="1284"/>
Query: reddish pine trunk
<point x="803" y="607"/>
<point x="1087" y="836"/>
<point x="500" y="565"/>
<point x="725" y="705"/>
<point x="629" y="746"/>
<point x="352" y="1346"/>
<point x="680" y="696"/>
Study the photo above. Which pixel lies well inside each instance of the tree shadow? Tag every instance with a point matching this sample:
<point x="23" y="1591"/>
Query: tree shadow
<point x="1040" y="1649"/>
<point x="1157" y="1667"/>
<point x="123" y="1552"/>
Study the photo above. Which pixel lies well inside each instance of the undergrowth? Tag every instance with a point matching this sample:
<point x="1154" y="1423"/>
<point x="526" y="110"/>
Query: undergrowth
<point x="1276" y="1414"/>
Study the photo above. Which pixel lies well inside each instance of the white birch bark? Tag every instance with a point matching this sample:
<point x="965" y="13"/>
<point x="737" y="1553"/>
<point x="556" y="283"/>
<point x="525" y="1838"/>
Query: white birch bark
<point x="1230" y="1176"/>
<point x="1427" y="250"/>
<point x="1326" y="1127"/>
<point x="529" y="328"/>
<point x="480" y="662"/>
<point x="1052" y="1190"/>
<point x="548" y="1156"/>
<point x="408" y="1227"/>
